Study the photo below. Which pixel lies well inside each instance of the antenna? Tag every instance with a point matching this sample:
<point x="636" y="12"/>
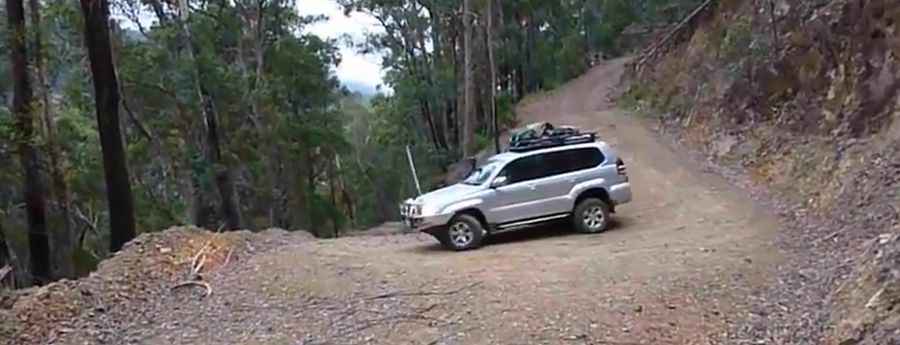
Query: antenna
<point x="412" y="166"/>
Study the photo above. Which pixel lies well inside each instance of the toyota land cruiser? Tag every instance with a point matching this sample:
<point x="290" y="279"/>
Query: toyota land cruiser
<point x="538" y="180"/>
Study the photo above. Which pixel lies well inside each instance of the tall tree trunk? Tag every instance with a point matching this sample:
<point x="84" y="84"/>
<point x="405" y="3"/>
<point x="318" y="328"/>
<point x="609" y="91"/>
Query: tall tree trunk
<point x="312" y="217"/>
<point x="298" y="218"/>
<point x="468" y="122"/>
<point x="35" y="202"/>
<point x="62" y="239"/>
<point x="440" y="118"/>
<point x="272" y="166"/>
<point x="334" y="201"/>
<point x="262" y="125"/>
<point x="223" y="176"/>
<point x="531" y="81"/>
<point x="106" y="93"/>
<point x="5" y="258"/>
<point x="460" y="99"/>
<point x="519" y="76"/>
<point x="452" y="107"/>
<point x="493" y="65"/>
<point x="349" y="204"/>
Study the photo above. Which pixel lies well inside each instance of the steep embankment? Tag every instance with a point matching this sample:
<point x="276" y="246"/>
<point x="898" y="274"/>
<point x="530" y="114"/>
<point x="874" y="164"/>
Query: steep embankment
<point x="139" y="286"/>
<point x="803" y="96"/>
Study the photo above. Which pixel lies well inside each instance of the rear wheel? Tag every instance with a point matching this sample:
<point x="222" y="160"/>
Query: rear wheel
<point x="463" y="233"/>
<point x="591" y="216"/>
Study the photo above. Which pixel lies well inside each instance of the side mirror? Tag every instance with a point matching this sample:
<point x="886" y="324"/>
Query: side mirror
<point x="499" y="181"/>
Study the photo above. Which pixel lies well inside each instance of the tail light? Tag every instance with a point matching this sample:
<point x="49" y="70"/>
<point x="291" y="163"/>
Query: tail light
<point x="620" y="168"/>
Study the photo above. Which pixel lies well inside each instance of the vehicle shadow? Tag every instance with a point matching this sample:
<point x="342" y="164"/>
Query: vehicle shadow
<point x="554" y="230"/>
<point x="549" y="231"/>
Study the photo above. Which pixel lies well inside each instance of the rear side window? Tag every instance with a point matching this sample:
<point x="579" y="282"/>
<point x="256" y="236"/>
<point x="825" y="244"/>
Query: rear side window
<point x="554" y="163"/>
<point x="563" y="162"/>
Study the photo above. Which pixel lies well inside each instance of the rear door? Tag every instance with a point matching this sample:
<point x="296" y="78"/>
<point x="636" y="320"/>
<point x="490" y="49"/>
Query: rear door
<point x="565" y="170"/>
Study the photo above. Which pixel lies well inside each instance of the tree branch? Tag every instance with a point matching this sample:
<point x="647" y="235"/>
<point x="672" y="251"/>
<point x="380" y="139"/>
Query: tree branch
<point x="137" y="122"/>
<point x="423" y="293"/>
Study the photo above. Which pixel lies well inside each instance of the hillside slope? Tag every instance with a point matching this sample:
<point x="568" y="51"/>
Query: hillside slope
<point x="803" y="96"/>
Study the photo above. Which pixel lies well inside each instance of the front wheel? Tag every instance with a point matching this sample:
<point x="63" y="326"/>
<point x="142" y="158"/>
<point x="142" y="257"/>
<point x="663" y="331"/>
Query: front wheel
<point x="463" y="233"/>
<point x="591" y="216"/>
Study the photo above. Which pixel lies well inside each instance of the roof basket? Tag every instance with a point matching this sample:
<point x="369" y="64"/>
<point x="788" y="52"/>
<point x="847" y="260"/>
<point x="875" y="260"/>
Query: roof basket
<point x="544" y="135"/>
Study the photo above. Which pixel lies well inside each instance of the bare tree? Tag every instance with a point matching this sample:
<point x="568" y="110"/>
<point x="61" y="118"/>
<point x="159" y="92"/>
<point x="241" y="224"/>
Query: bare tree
<point x="106" y="95"/>
<point x="5" y="258"/>
<point x="63" y="239"/>
<point x="493" y="65"/>
<point x="468" y="121"/>
<point x="224" y="179"/>
<point x="35" y="202"/>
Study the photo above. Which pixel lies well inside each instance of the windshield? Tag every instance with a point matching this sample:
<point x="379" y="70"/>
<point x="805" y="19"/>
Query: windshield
<point x="481" y="175"/>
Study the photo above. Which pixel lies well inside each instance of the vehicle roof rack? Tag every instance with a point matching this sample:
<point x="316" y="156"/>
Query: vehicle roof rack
<point x="552" y="140"/>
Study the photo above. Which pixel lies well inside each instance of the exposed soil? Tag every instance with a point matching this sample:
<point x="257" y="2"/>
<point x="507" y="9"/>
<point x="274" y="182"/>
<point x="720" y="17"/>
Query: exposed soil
<point x="801" y="99"/>
<point x="678" y="267"/>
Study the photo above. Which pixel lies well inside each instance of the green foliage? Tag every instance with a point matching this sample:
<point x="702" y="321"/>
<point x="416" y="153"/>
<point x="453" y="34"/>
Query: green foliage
<point x="737" y="39"/>
<point x="635" y="98"/>
<point x="7" y="129"/>
<point x="506" y="111"/>
<point x="617" y="15"/>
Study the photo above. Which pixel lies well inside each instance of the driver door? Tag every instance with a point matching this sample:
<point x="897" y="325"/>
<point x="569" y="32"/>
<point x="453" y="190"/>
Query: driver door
<point x="519" y="198"/>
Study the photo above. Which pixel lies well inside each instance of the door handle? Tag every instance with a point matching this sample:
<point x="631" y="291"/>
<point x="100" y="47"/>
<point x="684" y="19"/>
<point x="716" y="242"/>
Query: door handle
<point x="532" y="187"/>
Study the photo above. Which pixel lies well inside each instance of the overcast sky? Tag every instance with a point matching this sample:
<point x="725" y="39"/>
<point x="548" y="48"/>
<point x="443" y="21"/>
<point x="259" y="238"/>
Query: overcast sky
<point x="357" y="71"/>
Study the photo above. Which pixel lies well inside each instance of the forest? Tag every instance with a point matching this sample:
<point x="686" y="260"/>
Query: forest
<point x="228" y="115"/>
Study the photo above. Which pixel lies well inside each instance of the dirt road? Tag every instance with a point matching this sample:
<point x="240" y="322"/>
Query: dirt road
<point x="677" y="268"/>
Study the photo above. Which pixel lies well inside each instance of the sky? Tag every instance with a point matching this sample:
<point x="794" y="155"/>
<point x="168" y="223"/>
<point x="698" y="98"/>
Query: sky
<point x="359" y="72"/>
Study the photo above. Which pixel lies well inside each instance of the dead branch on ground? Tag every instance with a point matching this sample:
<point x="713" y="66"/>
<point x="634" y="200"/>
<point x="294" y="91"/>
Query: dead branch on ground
<point x="194" y="283"/>
<point x="194" y="277"/>
<point x="228" y="257"/>
<point x="423" y="293"/>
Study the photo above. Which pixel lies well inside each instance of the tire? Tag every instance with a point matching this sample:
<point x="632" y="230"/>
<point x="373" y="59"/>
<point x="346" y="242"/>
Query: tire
<point x="443" y="239"/>
<point x="591" y="216"/>
<point x="464" y="232"/>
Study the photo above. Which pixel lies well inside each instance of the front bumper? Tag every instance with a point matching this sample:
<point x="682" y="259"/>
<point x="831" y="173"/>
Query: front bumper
<point x="411" y="217"/>
<point x="425" y="223"/>
<point x="620" y="193"/>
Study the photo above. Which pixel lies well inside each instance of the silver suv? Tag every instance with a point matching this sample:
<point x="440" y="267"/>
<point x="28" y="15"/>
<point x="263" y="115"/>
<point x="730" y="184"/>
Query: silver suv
<point x="583" y="180"/>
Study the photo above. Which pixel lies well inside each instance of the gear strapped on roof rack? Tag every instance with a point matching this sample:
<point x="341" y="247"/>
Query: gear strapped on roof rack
<point x="544" y="135"/>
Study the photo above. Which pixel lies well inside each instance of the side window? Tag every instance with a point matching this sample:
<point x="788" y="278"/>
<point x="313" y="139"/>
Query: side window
<point x="553" y="163"/>
<point x="588" y="158"/>
<point x="559" y="163"/>
<point x="563" y="162"/>
<point x="524" y="169"/>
